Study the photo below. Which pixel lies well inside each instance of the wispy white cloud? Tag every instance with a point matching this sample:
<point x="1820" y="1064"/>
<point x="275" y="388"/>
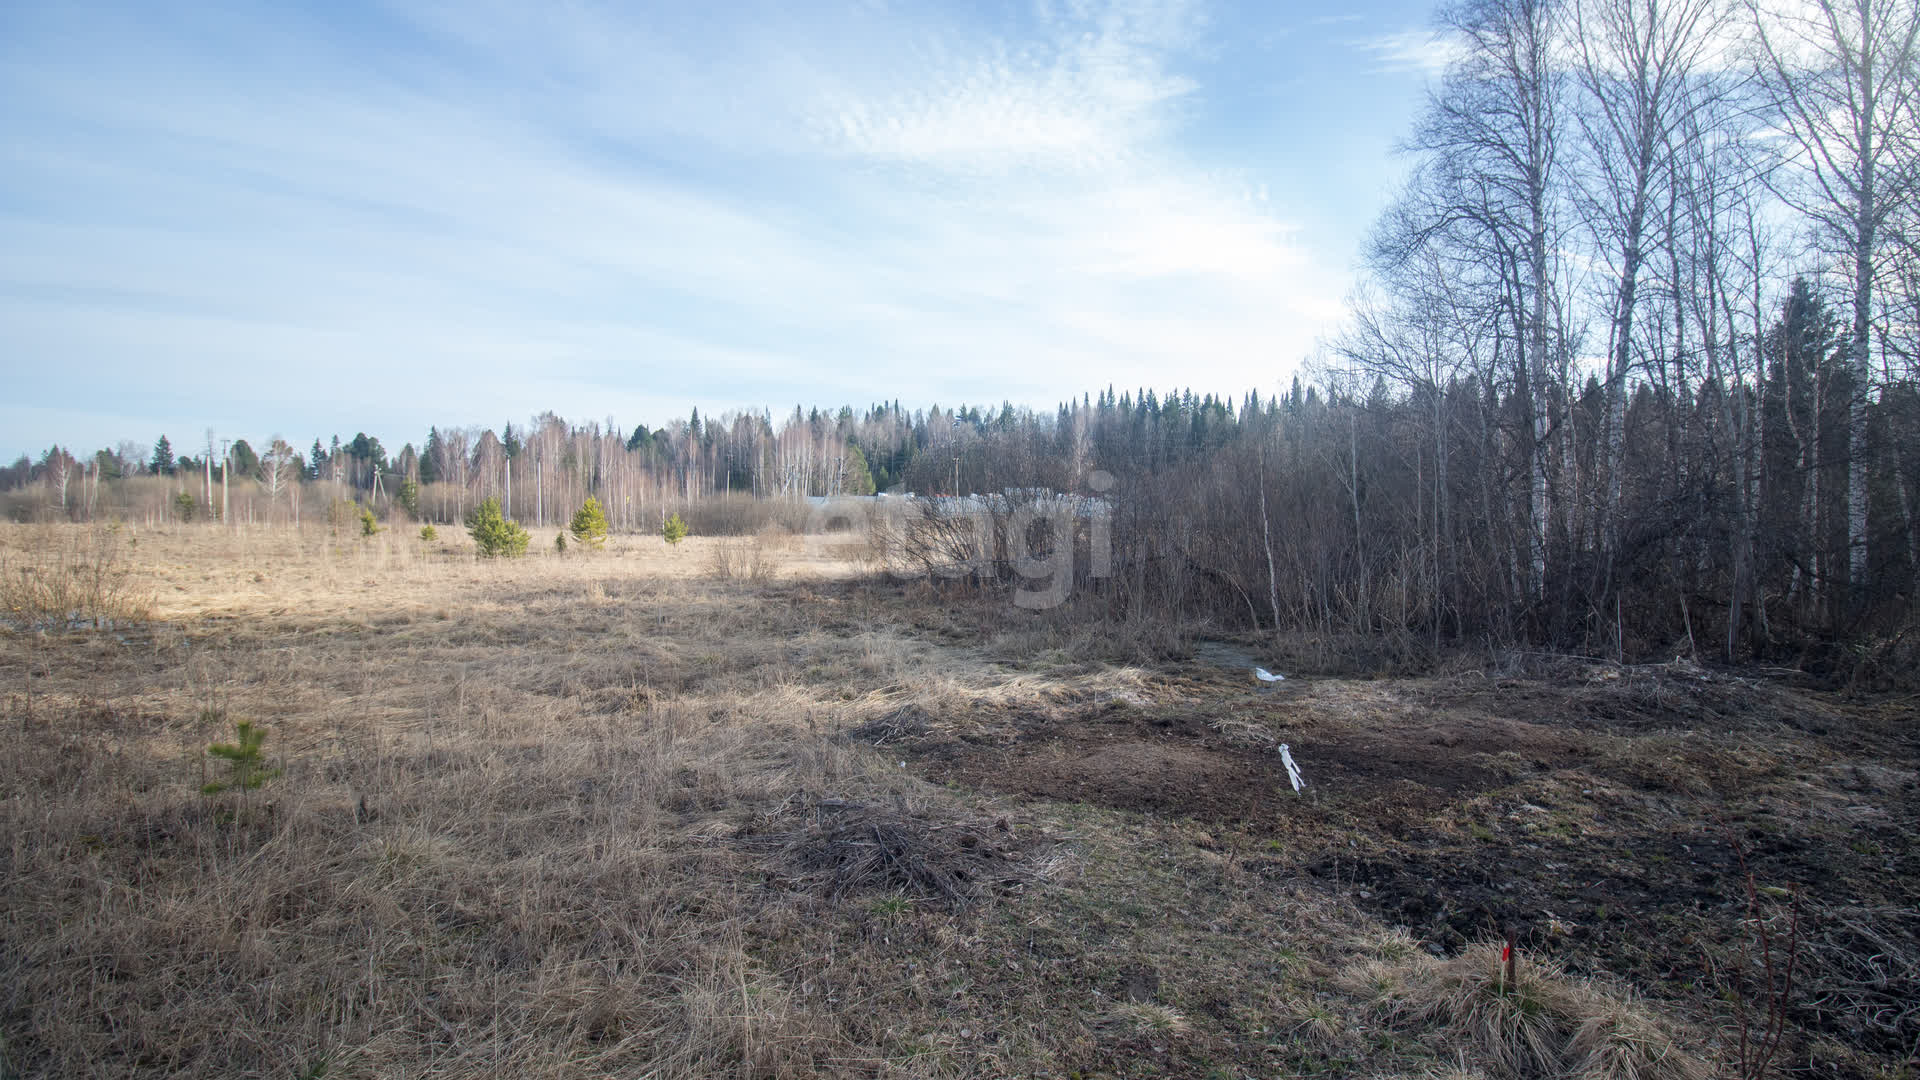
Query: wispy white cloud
<point x="1087" y="89"/>
<point x="488" y="212"/>
<point x="1423" y="52"/>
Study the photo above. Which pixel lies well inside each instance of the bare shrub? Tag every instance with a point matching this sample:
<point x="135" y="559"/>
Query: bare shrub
<point x="776" y="538"/>
<point x="1761" y="984"/>
<point x="741" y="514"/>
<point x="744" y="558"/>
<point x="930" y="541"/>
<point x="62" y="577"/>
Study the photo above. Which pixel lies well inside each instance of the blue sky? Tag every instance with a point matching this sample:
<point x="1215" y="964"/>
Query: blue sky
<point x="330" y="217"/>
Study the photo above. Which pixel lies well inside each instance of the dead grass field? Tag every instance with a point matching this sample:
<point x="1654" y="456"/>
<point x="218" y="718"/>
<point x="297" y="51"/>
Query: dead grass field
<point x="617" y="815"/>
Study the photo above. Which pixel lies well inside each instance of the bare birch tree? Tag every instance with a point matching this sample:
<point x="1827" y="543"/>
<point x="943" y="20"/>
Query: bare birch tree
<point x="1840" y="78"/>
<point x="1639" y="67"/>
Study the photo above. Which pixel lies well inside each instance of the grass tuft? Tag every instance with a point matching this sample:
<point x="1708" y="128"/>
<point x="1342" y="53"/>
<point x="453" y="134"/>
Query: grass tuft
<point x="1148" y="1018"/>
<point x="1542" y="1023"/>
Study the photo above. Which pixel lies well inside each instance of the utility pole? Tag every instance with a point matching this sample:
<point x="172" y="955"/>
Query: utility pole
<point x="226" y="466"/>
<point x="956" y="453"/>
<point x="209" y="470"/>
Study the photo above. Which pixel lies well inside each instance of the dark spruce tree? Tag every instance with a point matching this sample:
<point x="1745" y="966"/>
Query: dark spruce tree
<point x="430" y="458"/>
<point x="246" y="463"/>
<point x="162" y="463"/>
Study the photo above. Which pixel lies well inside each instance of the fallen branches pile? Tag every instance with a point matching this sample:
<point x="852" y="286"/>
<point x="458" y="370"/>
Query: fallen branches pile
<point x="848" y="847"/>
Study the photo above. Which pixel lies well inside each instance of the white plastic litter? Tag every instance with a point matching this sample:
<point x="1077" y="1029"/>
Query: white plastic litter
<point x="1267" y="676"/>
<point x="1293" y="771"/>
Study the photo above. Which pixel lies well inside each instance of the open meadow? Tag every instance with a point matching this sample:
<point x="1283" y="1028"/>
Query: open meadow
<point x="624" y="813"/>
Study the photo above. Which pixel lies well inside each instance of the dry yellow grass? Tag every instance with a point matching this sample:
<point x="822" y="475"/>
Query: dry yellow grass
<point x="1542" y="1022"/>
<point x="587" y="816"/>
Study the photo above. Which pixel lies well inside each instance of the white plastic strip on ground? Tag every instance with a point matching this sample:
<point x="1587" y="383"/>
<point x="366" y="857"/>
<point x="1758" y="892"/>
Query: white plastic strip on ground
<point x="1293" y="771"/>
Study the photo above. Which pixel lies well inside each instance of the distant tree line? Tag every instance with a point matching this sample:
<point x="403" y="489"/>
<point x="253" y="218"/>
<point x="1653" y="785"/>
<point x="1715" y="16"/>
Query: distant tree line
<point x="1327" y="510"/>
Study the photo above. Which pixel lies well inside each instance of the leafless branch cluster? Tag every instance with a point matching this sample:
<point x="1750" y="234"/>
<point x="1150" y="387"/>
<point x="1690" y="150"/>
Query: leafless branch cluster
<point x="847" y="848"/>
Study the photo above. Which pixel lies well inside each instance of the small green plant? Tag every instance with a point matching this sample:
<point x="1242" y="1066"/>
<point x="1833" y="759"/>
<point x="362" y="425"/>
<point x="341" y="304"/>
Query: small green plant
<point x="184" y="505"/>
<point x="427" y="532"/>
<point x="369" y="525"/>
<point x="494" y="533"/>
<point x="246" y="766"/>
<point x="560" y="543"/>
<point x="674" y="530"/>
<point x="590" y="525"/>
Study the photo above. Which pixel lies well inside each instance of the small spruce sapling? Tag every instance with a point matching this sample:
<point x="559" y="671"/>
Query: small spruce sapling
<point x="559" y="543"/>
<point x="493" y="533"/>
<point x="674" y="530"/>
<point x="427" y="532"/>
<point x="369" y="525"/>
<point x="590" y="525"/>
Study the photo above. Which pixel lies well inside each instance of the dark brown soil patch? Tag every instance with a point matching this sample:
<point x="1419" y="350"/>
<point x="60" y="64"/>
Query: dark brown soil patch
<point x="1595" y="815"/>
<point x="1176" y="764"/>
